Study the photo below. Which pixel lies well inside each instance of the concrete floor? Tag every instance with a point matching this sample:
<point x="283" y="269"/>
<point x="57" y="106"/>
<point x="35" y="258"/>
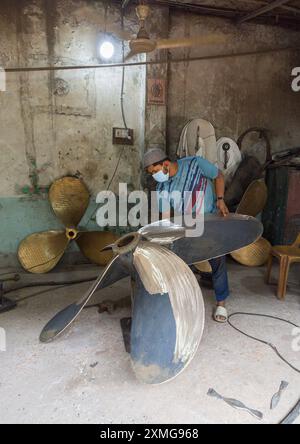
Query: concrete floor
<point x="85" y="375"/>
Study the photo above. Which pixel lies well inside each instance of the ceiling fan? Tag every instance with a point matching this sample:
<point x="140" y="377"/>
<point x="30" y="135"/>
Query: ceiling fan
<point x="144" y="44"/>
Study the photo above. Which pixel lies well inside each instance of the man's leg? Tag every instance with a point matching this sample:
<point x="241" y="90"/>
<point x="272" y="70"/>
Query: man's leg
<point x="220" y="280"/>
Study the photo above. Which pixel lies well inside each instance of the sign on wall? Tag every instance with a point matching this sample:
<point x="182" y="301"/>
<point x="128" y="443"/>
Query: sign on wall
<point x="156" y="92"/>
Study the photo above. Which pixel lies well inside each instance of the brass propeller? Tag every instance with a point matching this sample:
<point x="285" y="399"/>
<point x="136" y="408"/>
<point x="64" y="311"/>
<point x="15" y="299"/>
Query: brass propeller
<point x="69" y="199"/>
<point x="251" y="204"/>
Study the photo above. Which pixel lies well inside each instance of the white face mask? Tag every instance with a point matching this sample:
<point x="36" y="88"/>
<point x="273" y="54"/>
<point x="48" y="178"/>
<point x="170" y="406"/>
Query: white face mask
<point x="160" y="176"/>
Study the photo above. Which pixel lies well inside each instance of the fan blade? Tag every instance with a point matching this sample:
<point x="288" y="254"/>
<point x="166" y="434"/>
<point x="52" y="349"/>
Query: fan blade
<point x="40" y="252"/>
<point x="65" y="317"/>
<point x="120" y="33"/>
<point x="192" y="41"/>
<point x="254" y="199"/>
<point x="91" y="244"/>
<point x="69" y="199"/>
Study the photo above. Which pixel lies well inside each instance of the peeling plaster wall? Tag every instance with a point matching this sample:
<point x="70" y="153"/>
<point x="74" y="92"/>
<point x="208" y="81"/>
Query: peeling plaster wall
<point x="60" y="122"/>
<point x="234" y="93"/>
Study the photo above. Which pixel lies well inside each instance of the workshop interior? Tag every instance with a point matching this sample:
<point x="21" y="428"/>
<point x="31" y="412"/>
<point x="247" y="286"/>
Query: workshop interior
<point x="120" y="302"/>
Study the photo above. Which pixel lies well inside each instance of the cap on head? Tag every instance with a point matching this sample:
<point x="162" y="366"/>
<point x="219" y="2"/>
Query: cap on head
<point x="154" y="155"/>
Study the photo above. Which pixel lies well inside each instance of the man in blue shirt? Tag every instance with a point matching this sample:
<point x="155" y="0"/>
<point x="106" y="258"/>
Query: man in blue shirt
<point x="193" y="175"/>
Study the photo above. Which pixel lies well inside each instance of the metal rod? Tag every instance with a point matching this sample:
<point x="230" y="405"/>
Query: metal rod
<point x="261" y="11"/>
<point x="286" y="7"/>
<point x="161" y="62"/>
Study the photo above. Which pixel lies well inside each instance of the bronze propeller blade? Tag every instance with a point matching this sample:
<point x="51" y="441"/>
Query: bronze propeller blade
<point x="69" y="199"/>
<point x="40" y="252"/>
<point x="254" y="199"/>
<point x="91" y="243"/>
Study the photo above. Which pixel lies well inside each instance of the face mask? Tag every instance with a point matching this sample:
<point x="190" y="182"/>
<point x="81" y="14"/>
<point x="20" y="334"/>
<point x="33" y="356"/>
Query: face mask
<point x="160" y="176"/>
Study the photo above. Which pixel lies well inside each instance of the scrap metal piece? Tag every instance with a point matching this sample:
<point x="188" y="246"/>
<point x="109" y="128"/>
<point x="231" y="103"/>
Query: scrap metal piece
<point x="235" y="404"/>
<point x="276" y="397"/>
<point x="293" y="415"/>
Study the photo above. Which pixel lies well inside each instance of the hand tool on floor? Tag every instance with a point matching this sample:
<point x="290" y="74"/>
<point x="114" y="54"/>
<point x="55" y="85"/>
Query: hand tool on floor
<point x="276" y="397"/>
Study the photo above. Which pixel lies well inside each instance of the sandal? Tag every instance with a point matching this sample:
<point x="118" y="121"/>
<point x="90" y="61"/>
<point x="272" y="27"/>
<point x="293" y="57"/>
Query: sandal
<point x="220" y="314"/>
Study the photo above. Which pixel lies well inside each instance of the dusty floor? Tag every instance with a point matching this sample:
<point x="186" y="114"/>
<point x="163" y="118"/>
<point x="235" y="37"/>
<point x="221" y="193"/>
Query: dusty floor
<point x="85" y="376"/>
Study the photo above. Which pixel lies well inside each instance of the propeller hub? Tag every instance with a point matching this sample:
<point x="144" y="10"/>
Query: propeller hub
<point x="71" y="233"/>
<point x="127" y="243"/>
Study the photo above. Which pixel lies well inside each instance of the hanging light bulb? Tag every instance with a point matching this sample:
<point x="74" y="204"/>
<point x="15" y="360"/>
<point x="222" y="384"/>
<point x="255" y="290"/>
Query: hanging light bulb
<point x="107" y="50"/>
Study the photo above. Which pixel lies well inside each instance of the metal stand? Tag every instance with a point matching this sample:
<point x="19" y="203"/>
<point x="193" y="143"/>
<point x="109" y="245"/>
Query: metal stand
<point x="126" y="328"/>
<point x="5" y="303"/>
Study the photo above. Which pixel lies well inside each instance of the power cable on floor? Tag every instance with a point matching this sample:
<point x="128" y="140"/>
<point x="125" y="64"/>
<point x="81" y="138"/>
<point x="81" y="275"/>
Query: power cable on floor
<point x="50" y="284"/>
<point x="261" y="340"/>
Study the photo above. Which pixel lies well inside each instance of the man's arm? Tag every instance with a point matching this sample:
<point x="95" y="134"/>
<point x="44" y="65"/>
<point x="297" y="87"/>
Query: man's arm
<point x="220" y="190"/>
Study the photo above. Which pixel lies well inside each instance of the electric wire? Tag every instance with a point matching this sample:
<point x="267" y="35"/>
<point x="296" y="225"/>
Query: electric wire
<point x="269" y="344"/>
<point x="123" y="118"/>
<point x="155" y="62"/>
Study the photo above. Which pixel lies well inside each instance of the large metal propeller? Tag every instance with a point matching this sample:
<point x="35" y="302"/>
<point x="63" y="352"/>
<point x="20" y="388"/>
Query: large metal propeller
<point x="69" y="199"/>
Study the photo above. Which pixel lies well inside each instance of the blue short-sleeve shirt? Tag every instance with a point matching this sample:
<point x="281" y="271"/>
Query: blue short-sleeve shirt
<point x="195" y="175"/>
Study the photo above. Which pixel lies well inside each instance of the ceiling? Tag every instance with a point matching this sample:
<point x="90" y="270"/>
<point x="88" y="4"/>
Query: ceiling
<point x="273" y="12"/>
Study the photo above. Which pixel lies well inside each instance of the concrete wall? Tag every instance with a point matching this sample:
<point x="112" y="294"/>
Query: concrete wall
<point x="235" y="93"/>
<point x="60" y="122"/>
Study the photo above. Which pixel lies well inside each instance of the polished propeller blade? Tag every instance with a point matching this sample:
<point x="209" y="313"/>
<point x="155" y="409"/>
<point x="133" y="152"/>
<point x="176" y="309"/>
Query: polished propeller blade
<point x="69" y="198"/>
<point x="64" y="318"/>
<point x="189" y="42"/>
<point x="92" y="243"/>
<point x="163" y="232"/>
<point x="40" y="252"/>
<point x="168" y="314"/>
<point x="254" y="199"/>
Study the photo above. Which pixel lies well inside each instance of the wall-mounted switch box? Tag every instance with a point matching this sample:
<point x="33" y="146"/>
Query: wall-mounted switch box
<point x="122" y="136"/>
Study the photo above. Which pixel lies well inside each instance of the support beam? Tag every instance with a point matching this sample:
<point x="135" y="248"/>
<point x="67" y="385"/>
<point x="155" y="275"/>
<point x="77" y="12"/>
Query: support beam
<point x="260" y="11"/>
<point x="283" y="7"/>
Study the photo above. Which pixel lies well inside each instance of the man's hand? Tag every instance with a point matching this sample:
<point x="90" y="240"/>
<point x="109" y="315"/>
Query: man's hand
<point x="222" y="207"/>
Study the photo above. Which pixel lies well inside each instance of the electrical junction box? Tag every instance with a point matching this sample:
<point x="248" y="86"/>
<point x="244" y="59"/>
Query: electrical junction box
<point x="122" y="136"/>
